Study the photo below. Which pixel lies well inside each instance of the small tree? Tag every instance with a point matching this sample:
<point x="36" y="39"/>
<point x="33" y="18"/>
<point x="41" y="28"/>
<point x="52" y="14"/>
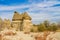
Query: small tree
<point x="41" y="27"/>
<point x="46" y="23"/>
<point x="34" y="28"/>
<point x="1" y="22"/>
<point x="53" y="27"/>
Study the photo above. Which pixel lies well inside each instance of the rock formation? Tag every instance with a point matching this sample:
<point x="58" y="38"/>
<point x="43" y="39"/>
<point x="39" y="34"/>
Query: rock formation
<point x="22" y="22"/>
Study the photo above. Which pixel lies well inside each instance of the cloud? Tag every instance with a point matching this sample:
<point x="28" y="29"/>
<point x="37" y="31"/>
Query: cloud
<point x="37" y="5"/>
<point x="6" y="15"/>
<point x="2" y="7"/>
<point x="35" y="1"/>
<point x="40" y="17"/>
<point x="56" y="5"/>
<point x="45" y="10"/>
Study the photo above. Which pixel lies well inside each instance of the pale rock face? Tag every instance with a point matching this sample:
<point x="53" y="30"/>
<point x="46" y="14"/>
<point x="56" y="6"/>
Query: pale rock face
<point x="16" y="25"/>
<point x="21" y="22"/>
<point x="27" y="25"/>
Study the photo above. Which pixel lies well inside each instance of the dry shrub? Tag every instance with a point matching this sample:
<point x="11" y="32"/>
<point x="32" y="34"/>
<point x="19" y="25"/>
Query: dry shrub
<point x="45" y="34"/>
<point x="38" y="37"/>
<point x="9" y="33"/>
<point x="1" y="37"/>
<point x="26" y="32"/>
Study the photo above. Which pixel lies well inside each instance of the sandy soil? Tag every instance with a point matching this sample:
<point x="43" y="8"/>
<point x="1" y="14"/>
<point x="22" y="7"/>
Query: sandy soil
<point x="19" y="35"/>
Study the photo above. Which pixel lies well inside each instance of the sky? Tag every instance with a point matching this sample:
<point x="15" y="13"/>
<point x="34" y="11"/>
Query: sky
<point x="39" y="10"/>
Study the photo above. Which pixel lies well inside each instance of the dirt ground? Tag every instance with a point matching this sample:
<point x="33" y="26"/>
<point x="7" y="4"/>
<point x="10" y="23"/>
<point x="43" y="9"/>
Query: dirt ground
<point x="19" y="35"/>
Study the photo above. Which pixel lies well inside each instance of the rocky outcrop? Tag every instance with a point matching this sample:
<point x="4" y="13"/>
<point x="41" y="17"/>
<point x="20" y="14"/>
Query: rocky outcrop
<point x="22" y="22"/>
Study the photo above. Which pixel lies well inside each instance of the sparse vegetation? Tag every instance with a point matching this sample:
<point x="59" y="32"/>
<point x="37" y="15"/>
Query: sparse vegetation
<point x="46" y="25"/>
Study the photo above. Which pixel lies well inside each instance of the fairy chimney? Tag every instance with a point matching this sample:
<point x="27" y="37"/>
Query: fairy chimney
<point x="16" y="21"/>
<point x="27" y="24"/>
<point x="22" y="22"/>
